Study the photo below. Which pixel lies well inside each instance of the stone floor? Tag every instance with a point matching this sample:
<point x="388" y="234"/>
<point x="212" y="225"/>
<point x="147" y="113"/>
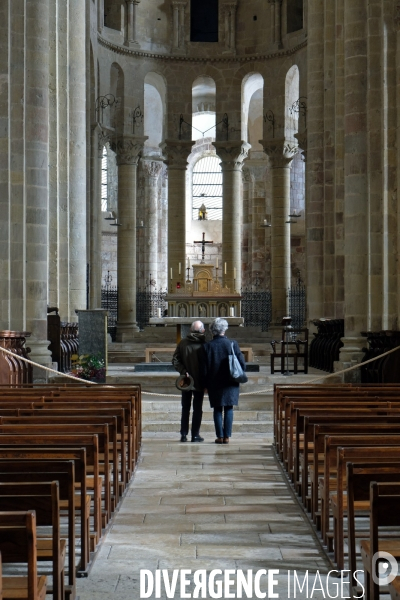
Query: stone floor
<point x="205" y="506"/>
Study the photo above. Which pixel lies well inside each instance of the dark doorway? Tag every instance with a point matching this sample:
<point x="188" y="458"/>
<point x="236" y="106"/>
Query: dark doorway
<point x="204" y="21"/>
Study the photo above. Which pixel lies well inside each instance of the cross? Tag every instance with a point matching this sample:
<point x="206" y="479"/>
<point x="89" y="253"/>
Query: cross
<point x="203" y="247"/>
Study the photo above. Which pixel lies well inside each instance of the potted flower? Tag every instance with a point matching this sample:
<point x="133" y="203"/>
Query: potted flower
<point x="90" y="367"/>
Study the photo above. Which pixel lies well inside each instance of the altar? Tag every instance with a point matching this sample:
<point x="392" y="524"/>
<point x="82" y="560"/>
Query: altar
<point x="204" y="298"/>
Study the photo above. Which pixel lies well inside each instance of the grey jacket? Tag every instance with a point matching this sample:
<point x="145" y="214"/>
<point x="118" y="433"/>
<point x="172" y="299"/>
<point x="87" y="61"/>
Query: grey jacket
<point x="187" y="357"/>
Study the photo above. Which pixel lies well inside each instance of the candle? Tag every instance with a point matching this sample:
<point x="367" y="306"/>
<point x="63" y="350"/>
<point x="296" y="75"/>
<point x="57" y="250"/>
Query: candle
<point x="225" y="268"/>
<point x="188" y="262"/>
<point x="141" y="223"/>
<point x="234" y="273"/>
<point x="265" y="221"/>
<point x="159" y="313"/>
<point x="171" y="273"/>
<point x="179" y="270"/>
<point x="232" y="311"/>
<point x="217" y="263"/>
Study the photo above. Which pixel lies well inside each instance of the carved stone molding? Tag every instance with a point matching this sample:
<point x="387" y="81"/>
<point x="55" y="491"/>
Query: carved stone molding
<point x="103" y="139"/>
<point x="232" y="154"/>
<point x="128" y="150"/>
<point x="280" y="152"/>
<point x="176" y="152"/>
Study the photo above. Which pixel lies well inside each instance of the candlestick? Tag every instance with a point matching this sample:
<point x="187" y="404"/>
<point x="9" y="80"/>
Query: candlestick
<point x="234" y="273"/>
<point x="216" y="266"/>
<point x="188" y="263"/>
<point x="225" y="269"/>
<point x="179" y="269"/>
<point x="171" y="273"/>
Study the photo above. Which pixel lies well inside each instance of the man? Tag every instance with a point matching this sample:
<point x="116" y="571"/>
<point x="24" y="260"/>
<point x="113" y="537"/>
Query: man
<point x="186" y="360"/>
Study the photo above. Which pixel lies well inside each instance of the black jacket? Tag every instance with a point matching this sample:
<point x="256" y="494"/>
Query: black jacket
<point x="216" y="376"/>
<point x="187" y="356"/>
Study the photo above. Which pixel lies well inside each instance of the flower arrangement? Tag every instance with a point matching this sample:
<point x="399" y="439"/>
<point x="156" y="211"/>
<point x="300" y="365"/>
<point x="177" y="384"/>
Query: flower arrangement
<point x="88" y="366"/>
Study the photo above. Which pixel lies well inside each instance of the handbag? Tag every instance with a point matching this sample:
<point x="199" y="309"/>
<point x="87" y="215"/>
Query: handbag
<point x="235" y="368"/>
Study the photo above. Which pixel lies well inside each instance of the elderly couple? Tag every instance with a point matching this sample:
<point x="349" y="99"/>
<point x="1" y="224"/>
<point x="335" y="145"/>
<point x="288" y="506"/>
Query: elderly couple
<point x="208" y="364"/>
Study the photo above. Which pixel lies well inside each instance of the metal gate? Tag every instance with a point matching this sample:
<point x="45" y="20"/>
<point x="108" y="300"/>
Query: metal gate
<point x="256" y="308"/>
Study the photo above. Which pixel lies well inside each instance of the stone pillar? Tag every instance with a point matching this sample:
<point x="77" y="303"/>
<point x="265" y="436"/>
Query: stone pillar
<point x="77" y="156"/>
<point x="162" y="282"/>
<point x="272" y="4"/>
<point x="278" y="23"/>
<point x="152" y="169"/>
<point x="178" y="20"/>
<point x="131" y="23"/>
<point x="100" y="15"/>
<point x="232" y="155"/>
<point x="176" y="152"/>
<point x="280" y="153"/>
<point x="315" y="161"/>
<point x="37" y="178"/>
<point x="97" y="144"/>
<point x="128" y="151"/>
<point x="356" y="180"/>
<point x="230" y="25"/>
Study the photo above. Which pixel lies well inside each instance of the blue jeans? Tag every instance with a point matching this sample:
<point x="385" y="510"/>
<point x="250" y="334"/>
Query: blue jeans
<point x="197" y="412"/>
<point x="223" y="427"/>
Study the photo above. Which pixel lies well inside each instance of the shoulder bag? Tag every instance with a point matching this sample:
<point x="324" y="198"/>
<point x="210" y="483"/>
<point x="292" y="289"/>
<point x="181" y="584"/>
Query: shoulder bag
<point x="235" y="368"/>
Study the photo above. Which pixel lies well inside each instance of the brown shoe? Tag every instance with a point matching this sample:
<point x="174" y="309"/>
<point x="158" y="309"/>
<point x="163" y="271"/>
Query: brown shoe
<point x="219" y="441"/>
<point x="226" y="441"/>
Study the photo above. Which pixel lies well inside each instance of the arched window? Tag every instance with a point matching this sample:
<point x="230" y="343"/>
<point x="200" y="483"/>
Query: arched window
<point x="207" y="189"/>
<point x="104" y="181"/>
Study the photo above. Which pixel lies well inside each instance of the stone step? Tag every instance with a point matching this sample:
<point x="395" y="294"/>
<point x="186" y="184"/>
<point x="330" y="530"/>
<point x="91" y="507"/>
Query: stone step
<point x="208" y="426"/>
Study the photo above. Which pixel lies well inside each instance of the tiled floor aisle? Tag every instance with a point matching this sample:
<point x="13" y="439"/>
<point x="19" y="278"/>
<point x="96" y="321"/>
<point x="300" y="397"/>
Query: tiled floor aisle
<point x="203" y="506"/>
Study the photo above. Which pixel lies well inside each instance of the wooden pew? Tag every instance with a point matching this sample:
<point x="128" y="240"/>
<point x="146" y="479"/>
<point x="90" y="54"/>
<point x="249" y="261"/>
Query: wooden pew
<point x="101" y="431"/>
<point x="18" y="545"/>
<point x="385" y="501"/>
<point x="43" y="498"/>
<point x="20" y="471"/>
<point x="52" y="441"/>
<point x="82" y="499"/>
<point x="359" y="478"/>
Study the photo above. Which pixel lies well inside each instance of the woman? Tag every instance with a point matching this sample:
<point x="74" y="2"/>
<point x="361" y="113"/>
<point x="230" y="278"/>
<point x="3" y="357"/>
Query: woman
<point x="222" y="391"/>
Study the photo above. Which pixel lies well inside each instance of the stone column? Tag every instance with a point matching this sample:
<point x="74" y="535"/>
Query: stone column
<point x="356" y="180"/>
<point x="162" y="282"/>
<point x="77" y="156"/>
<point x="131" y="23"/>
<point x="178" y="20"/>
<point x="128" y="152"/>
<point x="37" y="177"/>
<point x="278" y="23"/>
<point x="280" y="153"/>
<point x="152" y="169"/>
<point x="100" y="15"/>
<point x="176" y="152"/>
<point x="97" y="144"/>
<point x="315" y="161"/>
<point x="272" y="4"/>
<point x="232" y="155"/>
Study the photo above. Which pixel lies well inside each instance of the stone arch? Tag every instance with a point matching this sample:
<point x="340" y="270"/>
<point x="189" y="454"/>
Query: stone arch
<point x="252" y="109"/>
<point x="155" y="93"/>
<point x="203" y="107"/>
<point x="292" y="88"/>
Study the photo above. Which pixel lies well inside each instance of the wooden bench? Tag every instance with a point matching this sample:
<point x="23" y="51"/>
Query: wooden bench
<point x="18" y="545"/>
<point x="43" y="498"/>
<point x="42" y="471"/>
<point x="384" y="501"/>
<point x="247" y="352"/>
<point x="82" y="499"/>
<point x="359" y="478"/>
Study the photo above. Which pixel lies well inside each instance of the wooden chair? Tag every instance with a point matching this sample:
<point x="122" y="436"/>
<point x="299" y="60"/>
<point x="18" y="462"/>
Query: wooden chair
<point x="18" y="545"/>
<point x="293" y="348"/>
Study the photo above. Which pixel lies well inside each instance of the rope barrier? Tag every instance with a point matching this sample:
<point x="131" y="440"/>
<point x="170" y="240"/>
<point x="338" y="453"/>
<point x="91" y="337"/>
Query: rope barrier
<point x="264" y="391"/>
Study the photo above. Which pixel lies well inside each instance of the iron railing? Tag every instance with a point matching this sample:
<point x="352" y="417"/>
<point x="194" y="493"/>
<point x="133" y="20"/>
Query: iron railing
<point x="147" y="304"/>
<point x="109" y="301"/>
<point x="256" y="308"/>
<point x="297" y="304"/>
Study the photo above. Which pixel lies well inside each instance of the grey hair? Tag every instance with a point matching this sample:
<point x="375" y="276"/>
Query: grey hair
<point x="219" y="326"/>
<point x="197" y="327"/>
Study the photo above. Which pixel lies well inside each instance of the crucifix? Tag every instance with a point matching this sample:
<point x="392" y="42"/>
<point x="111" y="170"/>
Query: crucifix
<point x="203" y="247"/>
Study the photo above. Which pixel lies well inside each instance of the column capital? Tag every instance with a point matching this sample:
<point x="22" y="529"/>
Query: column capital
<point x="129" y="149"/>
<point x="230" y="5"/>
<point x="232" y="154"/>
<point x="133" y="1"/>
<point x="179" y="3"/>
<point x="176" y="152"/>
<point x="279" y="151"/>
<point x="151" y="166"/>
<point x="103" y="139"/>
